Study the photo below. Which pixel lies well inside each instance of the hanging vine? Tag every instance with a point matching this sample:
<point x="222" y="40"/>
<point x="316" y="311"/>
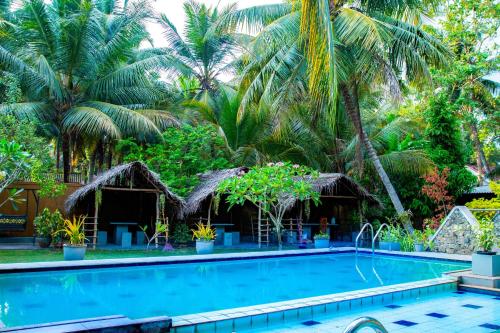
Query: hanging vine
<point x="98" y="198"/>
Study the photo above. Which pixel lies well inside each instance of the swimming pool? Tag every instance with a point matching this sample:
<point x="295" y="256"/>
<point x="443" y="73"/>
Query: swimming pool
<point x="178" y="289"/>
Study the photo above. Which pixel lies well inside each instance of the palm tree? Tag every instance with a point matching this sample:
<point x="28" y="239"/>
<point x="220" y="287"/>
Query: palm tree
<point x="82" y="74"/>
<point x="251" y="139"/>
<point x="205" y="53"/>
<point x="347" y="48"/>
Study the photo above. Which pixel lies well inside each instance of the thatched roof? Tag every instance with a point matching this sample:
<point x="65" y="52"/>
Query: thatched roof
<point x="115" y="176"/>
<point x="209" y="182"/>
<point x="330" y="183"/>
<point x="326" y="183"/>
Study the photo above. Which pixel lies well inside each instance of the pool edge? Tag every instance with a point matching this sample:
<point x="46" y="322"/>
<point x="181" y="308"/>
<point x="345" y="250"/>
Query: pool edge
<point x="150" y="261"/>
<point x="253" y="317"/>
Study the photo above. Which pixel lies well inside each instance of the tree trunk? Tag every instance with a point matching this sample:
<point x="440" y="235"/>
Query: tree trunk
<point x="352" y="108"/>
<point x="93" y="158"/>
<point x="66" y="138"/>
<point x="58" y="154"/>
<point x="482" y="163"/>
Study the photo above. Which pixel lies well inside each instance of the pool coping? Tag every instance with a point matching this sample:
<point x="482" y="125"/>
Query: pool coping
<point x="310" y="306"/>
<point x="145" y="261"/>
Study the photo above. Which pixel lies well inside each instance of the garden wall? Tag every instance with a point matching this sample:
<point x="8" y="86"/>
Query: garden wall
<point x="29" y="207"/>
<point x="457" y="233"/>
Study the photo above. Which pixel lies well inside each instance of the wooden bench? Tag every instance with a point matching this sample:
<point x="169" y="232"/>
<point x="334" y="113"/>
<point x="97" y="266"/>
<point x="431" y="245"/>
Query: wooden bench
<point x="120" y="324"/>
<point x="13" y="222"/>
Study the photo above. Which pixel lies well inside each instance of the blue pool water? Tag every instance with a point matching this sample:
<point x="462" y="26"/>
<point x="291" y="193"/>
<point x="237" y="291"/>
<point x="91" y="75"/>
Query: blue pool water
<point x="179" y="289"/>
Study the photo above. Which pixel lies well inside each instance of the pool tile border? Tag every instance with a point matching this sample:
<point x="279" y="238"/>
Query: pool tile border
<point x="259" y="316"/>
<point x="146" y="261"/>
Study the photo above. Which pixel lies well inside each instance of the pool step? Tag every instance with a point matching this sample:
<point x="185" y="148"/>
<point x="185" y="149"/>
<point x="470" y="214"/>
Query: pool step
<point x="98" y="325"/>
<point x="479" y="289"/>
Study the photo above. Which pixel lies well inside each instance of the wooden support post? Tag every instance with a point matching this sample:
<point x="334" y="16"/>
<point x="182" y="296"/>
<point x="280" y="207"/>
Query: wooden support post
<point x="157" y="216"/>
<point x="96" y="214"/>
<point x="259" y="235"/>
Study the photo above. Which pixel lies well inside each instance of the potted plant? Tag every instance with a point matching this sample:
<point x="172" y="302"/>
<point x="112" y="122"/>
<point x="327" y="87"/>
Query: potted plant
<point x="75" y="248"/>
<point x="204" y="235"/>
<point x="418" y="240"/>
<point x="389" y="239"/>
<point x="43" y="228"/>
<point x="485" y="261"/>
<point x="47" y="225"/>
<point x="321" y="240"/>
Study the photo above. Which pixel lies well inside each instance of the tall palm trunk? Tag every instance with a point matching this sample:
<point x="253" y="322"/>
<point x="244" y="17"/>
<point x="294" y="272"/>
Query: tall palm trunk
<point x="352" y="108"/>
<point x="66" y="143"/>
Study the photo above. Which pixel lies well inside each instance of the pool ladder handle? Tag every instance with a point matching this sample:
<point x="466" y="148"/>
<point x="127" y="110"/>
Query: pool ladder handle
<point x="363" y="322"/>
<point x="366" y="225"/>
<point x="378" y="233"/>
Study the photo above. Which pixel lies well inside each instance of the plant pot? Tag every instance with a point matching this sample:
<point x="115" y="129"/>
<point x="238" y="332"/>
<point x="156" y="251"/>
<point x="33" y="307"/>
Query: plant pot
<point x="486" y="264"/>
<point x="44" y="242"/>
<point x="74" y="252"/>
<point x="419" y="247"/>
<point x="389" y="246"/>
<point x="204" y="247"/>
<point x="321" y="243"/>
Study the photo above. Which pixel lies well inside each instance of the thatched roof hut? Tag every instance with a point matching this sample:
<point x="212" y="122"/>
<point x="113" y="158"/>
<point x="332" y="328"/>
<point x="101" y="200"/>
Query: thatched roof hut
<point x="206" y="189"/>
<point x="328" y="184"/>
<point x="126" y="176"/>
<point x="338" y="184"/>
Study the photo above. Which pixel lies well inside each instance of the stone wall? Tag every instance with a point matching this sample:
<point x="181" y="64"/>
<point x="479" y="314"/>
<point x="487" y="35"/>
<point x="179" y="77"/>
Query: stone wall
<point x="456" y="234"/>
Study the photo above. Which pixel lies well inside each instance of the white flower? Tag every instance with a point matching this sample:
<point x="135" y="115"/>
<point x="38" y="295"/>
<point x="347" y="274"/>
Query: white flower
<point x="280" y="164"/>
<point x="270" y="164"/>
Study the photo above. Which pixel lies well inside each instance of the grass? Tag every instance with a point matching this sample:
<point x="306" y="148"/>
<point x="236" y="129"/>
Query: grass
<point x="18" y="256"/>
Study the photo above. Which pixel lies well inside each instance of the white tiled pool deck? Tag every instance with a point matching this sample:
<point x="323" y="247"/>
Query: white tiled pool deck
<point x="445" y="312"/>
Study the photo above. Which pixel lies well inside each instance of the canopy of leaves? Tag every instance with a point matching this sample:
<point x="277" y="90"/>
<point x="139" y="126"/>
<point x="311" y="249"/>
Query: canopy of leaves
<point x="183" y="154"/>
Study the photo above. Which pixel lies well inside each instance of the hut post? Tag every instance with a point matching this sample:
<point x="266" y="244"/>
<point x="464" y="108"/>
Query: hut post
<point x="157" y="216"/>
<point x="210" y="211"/>
<point x="96" y="215"/>
<point x="259" y="235"/>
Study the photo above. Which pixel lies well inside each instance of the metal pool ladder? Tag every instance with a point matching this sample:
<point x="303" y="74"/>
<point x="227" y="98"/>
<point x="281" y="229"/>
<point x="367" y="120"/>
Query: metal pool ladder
<point x="366" y="225"/>
<point x="378" y="233"/>
<point x="363" y="322"/>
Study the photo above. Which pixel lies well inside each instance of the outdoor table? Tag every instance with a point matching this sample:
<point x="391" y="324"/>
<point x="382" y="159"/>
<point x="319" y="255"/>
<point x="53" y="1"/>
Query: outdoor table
<point x="121" y="227"/>
<point x="220" y="229"/>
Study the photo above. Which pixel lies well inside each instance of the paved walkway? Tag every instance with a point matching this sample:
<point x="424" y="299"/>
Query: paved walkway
<point x="449" y="312"/>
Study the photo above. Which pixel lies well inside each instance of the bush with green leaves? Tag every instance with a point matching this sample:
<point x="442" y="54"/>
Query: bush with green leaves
<point x="181" y="234"/>
<point x="183" y="153"/>
<point x="485" y="236"/>
<point x="48" y="224"/>
<point x="273" y="188"/>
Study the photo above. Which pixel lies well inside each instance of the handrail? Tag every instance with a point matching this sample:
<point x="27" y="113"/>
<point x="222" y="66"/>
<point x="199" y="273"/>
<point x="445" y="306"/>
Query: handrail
<point x="363" y="322"/>
<point x="361" y="233"/>
<point x="378" y="232"/>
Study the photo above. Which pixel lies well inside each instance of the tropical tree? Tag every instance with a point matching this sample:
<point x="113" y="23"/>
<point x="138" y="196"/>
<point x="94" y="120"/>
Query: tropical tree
<point x="347" y="48"/>
<point x="81" y="72"/>
<point x="206" y="51"/>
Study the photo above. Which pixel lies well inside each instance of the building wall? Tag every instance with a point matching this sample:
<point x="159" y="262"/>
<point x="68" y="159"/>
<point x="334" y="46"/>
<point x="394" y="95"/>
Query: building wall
<point x="29" y="207"/>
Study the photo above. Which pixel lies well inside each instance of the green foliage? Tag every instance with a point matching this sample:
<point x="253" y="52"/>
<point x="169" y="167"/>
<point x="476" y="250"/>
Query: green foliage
<point x="181" y="234"/>
<point x="322" y="235"/>
<point x="482" y="203"/>
<point x="183" y="154"/>
<point x="392" y="233"/>
<point x="48" y="224"/>
<point x="10" y="88"/>
<point x="14" y="163"/>
<point x="486" y="237"/>
<point x="203" y="232"/>
<point x="272" y="188"/>
<point x="73" y="230"/>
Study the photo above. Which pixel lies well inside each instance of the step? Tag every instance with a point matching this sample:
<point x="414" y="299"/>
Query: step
<point x="479" y="289"/>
